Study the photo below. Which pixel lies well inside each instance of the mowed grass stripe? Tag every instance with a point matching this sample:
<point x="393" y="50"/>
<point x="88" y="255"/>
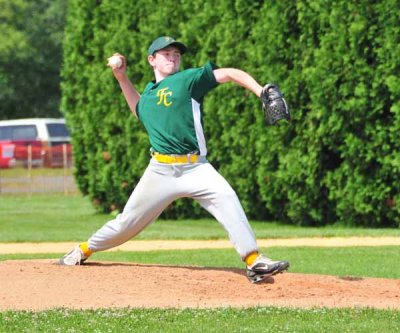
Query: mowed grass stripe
<point x="380" y="262"/>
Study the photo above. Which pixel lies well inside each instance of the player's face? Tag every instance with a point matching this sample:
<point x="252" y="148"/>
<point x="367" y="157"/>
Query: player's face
<point x="166" y="61"/>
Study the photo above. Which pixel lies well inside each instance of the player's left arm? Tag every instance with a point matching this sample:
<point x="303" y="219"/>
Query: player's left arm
<point x="223" y="75"/>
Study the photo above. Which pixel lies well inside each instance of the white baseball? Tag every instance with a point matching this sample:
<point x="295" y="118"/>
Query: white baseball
<point x="115" y="62"/>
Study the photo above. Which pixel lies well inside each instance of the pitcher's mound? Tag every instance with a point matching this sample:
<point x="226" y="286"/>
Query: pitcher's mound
<point x="42" y="284"/>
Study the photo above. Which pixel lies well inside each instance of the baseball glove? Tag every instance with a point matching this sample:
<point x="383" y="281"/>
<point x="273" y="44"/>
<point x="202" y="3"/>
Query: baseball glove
<point x="273" y="104"/>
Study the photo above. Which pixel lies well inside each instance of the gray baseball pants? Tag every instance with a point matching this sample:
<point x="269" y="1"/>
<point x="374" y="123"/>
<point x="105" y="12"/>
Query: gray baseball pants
<point x="159" y="186"/>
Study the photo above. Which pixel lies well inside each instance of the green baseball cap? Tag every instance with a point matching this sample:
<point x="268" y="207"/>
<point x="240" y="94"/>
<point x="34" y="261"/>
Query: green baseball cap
<point x="163" y="42"/>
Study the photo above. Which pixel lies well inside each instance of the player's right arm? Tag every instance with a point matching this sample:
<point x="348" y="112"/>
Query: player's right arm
<point x="131" y="94"/>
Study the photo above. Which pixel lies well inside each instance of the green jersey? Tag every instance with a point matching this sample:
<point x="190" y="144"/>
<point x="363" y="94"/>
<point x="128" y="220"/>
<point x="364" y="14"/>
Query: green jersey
<point x="171" y="111"/>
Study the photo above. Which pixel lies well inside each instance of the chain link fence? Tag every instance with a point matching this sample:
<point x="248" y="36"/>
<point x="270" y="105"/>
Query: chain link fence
<point x="26" y="175"/>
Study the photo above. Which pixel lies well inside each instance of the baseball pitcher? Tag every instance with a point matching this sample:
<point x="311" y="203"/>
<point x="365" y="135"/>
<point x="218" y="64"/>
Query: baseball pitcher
<point x="170" y="108"/>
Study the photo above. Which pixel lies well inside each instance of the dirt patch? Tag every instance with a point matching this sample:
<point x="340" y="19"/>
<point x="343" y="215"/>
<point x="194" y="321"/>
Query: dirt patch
<point x="41" y="284"/>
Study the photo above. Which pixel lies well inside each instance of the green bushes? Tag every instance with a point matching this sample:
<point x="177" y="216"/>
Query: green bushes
<point x="337" y="161"/>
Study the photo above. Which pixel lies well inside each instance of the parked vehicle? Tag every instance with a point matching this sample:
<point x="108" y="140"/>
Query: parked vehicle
<point x="39" y="141"/>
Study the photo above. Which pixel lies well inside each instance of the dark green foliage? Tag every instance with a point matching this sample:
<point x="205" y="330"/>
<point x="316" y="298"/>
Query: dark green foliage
<point x="30" y="57"/>
<point x="338" y="161"/>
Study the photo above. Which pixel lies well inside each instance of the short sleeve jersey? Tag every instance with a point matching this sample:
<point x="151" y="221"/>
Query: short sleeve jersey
<point x="171" y="111"/>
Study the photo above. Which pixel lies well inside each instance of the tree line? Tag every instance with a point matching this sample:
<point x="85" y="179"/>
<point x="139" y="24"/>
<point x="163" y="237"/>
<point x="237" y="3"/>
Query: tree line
<point x="337" y="161"/>
<point x="31" y="57"/>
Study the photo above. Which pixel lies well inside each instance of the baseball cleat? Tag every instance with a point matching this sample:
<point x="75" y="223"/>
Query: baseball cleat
<point x="264" y="267"/>
<point x="72" y="258"/>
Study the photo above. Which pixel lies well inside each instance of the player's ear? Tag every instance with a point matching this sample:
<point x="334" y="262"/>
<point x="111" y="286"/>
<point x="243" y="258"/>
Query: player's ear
<point x="151" y="58"/>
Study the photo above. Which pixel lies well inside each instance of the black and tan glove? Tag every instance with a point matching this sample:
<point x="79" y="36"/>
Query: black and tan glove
<point x="273" y="104"/>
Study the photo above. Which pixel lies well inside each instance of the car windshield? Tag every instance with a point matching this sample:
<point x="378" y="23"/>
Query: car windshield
<point x="18" y="132"/>
<point x="57" y="130"/>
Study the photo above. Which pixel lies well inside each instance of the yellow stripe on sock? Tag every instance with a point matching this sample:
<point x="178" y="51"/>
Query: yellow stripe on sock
<point x="251" y="258"/>
<point x="85" y="249"/>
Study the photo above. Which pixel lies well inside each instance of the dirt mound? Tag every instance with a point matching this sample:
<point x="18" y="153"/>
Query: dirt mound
<point x="42" y="284"/>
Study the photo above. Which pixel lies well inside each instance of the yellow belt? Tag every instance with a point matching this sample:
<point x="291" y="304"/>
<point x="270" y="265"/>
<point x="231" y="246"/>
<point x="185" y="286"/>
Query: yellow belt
<point x="170" y="159"/>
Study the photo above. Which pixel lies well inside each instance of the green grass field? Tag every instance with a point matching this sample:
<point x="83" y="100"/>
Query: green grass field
<point x="72" y="218"/>
<point x="227" y="320"/>
<point x="59" y="218"/>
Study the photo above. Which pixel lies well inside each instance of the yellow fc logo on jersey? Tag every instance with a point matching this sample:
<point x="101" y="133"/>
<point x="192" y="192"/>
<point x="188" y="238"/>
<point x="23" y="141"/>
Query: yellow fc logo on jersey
<point x="163" y="94"/>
